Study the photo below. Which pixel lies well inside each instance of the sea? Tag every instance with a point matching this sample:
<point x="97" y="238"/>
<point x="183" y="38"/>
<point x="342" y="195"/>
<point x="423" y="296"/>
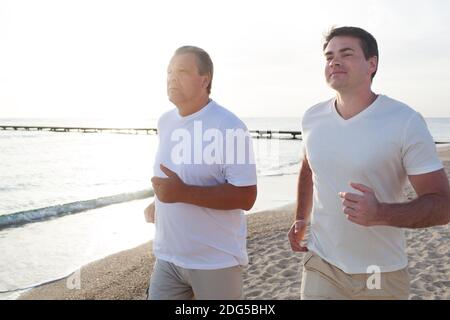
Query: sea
<point x="69" y="198"/>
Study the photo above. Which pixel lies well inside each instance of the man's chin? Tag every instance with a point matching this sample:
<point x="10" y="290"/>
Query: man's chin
<point x="174" y="98"/>
<point x="336" y="85"/>
<point x="176" y="102"/>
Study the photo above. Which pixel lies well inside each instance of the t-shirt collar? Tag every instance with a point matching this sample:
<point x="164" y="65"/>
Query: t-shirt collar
<point x="208" y="106"/>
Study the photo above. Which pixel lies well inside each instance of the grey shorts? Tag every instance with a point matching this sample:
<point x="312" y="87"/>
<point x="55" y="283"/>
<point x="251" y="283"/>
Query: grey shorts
<point x="171" y="282"/>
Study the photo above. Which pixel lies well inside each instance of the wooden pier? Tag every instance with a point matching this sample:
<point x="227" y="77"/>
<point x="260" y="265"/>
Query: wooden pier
<point x="259" y="134"/>
<point x="80" y="129"/>
<point x="274" y="134"/>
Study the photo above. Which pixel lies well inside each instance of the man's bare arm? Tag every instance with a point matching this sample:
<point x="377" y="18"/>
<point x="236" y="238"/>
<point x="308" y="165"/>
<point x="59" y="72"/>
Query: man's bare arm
<point x="297" y="231"/>
<point x="304" y="191"/>
<point x="430" y="208"/>
<point x="149" y="213"/>
<point x="222" y="197"/>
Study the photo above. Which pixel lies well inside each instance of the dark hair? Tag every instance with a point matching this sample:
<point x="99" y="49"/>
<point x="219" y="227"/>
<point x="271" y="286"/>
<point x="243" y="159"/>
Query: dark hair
<point x="368" y="43"/>
<point x="204" y="62"/>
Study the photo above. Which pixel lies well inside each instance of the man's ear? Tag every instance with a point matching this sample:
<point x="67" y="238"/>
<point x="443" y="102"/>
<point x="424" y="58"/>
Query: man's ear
<point x="373" y="64"/>
<point x="206" y="80"/>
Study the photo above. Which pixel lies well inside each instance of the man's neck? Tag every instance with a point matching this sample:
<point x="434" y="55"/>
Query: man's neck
<point x="193" y="107"/>
<point x="349" y="104"/>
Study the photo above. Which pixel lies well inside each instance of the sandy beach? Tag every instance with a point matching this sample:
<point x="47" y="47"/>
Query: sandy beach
<point x="274" y="271"/>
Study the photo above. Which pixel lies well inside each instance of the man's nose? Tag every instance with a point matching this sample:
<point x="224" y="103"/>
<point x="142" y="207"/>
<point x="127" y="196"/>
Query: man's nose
<point x="334" y="62"/>
<point x="171" y="78"/>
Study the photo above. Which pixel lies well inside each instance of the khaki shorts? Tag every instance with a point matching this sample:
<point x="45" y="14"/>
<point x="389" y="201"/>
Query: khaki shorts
<point x="170" y="282"/>
<point x="322" y="280"/>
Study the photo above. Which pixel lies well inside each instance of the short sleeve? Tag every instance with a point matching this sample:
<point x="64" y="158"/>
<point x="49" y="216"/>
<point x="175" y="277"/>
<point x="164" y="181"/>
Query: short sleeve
<point x="303" y="153"/>
<point x="239" y="167"/>
<point x="419" y="150"/>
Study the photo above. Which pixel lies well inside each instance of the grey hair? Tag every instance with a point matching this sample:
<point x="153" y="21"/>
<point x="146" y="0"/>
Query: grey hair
<point x="204" y="62"/>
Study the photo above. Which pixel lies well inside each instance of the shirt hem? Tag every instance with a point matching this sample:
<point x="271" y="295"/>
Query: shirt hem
<point x="363" y="270"/>
<point x="199" y="266"/>
<point x="243" y="183"/>
<point x="424" y="170"/>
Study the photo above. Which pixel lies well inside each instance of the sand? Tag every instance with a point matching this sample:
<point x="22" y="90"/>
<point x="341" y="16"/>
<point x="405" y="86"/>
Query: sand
<point x="274" y="271"/>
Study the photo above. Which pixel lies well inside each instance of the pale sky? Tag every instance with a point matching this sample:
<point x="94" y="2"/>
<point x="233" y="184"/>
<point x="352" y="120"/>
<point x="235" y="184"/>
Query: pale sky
<point x="104" y="58"/>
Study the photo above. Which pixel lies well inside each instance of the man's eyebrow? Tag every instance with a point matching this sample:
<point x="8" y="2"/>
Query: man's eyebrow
<point x="328" y="53"/>
<point x="346" y="49"/>
<point x="176" y="69"/>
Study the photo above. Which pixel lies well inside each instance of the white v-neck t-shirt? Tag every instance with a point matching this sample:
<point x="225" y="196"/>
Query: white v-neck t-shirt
<point x="379" y="147"/>
<point x="191" y="236"/>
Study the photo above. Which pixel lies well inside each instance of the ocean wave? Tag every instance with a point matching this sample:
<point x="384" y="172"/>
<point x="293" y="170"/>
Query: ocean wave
<point x="286" y="169"/>
<point x="23" y="217"/>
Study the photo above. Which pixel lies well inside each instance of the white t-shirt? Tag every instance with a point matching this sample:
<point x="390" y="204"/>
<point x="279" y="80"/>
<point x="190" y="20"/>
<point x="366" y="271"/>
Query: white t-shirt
<point x="379" y="147"/>
<point x="198" y="149"/>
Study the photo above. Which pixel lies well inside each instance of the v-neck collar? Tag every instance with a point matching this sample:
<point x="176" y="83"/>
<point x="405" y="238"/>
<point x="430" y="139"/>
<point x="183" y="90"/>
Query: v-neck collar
<point x="357" y="116"/>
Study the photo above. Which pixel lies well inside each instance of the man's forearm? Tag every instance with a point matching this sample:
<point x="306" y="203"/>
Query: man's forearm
<point x="304" y="192"/>
<point x="221" y="197"/>
<point x="426" y="211"/>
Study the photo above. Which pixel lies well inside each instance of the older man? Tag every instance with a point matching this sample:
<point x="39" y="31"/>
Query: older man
<point x="205" y="177"/>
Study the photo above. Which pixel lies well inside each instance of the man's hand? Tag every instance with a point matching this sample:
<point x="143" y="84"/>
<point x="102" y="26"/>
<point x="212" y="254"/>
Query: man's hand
<point x="149" y="213"/>
<point x="296" y="235"/>
<point x="171" y="189"/>
<point x="361" y="209"/>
